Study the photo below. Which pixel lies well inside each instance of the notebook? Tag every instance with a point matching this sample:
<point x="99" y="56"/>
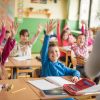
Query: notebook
<point x="49" y="83"/>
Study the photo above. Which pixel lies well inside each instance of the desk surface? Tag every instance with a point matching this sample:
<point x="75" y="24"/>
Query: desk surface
<point x="42" y="97"/>
<point x="25" y="63"/>
<point x="30" y="92"/>
<point x="9" y="63"/>
<point x="25" y="94"/>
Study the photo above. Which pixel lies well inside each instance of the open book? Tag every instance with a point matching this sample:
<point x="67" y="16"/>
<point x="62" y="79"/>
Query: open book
<point x="49" y="83"/>
<point x="51" y="86"/>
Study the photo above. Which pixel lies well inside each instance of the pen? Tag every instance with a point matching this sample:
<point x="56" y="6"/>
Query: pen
<point x="19" y="90"/>
<point x="87" y="83"/>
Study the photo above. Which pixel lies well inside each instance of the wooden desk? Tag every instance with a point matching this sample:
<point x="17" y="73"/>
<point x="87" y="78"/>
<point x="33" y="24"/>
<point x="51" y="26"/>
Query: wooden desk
<point x="9" y="66"/>
<point x="42" y="97"/>
<point x="25" y="63"/>
<point x="26" y="91"/>
<point x="34" y="63"/>
<point x="67" y="52"/>
<point x="25" y="94"/>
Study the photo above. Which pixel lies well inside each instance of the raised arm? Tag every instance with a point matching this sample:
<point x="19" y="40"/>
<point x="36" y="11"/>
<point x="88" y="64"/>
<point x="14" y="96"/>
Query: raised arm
<point x="49" y="27"/>
<point x="58" y="33"/>
<point x="13" y="28"/>
<point x="35" y="37"/>
<point x="3" y="30"/>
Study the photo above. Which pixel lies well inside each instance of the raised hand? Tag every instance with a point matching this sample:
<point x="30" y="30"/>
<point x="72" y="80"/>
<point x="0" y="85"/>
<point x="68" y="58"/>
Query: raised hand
<point x="3" y="21"/>
<point x="50" y="26"/>
<point x="13" y="28"/>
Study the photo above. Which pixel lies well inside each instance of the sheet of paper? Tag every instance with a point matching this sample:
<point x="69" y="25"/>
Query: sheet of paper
<point x="93" y="89"/>
<point x="42" y="84"/>
<point x="58" y="80"/>
<point x="22" y="58"/>
<point x="67" y="48"/>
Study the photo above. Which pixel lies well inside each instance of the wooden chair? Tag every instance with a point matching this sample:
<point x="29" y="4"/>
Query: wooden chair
<point x="21" y="71"/>
<point x="34" y="71"/>
<point x="77" y="60"/>
<point x="9" y="73"/>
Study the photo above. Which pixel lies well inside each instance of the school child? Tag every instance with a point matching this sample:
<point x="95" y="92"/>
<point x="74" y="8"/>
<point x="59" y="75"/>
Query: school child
<point x="81" y="53"/>
<point x="90" y="40"/>
<point x="51" y="66"/>
<point x="23" y="48"/>
<point x="89" y="35"/>
<point x="5" y="53"/>
<point x="65" y="39"/>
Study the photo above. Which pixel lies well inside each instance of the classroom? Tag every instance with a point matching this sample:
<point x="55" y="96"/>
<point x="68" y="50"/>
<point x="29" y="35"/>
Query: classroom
<point x="46" y="42"/>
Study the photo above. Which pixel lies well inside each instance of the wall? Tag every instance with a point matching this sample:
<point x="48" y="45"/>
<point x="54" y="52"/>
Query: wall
<point x="61" y="10"/>
<point x="58" y="10"/>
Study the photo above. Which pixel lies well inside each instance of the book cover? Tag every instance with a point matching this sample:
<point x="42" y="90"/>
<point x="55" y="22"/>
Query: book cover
<point x="74" y="89"/>
<point x="55" y="92"/>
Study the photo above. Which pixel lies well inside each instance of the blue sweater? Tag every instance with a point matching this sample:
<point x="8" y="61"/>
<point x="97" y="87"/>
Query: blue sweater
<point x="50" y="68"/>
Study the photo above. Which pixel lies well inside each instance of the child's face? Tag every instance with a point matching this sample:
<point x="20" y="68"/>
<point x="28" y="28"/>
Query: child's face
<point x="65" y="36"/>
<point x="54" y="53"/>
<point x="81" y="40"/>
<point x="24" y="38"/>
<point x="71" y="39"/>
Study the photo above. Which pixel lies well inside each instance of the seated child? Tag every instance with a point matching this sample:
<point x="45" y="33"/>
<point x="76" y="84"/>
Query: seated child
<point x="5" y="53"/>
<point x="81" y="51"/>
<point x="66" y="38"/>
<point x="51" y="66"/>
<point x="23" y="48"/>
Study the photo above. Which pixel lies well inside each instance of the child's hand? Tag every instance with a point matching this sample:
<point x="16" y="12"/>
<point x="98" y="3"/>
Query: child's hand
<point x="75" y="79"/>
<point x="3" y="21"/>
<point x="49" y="27"/>
<point x="13" y="28"/>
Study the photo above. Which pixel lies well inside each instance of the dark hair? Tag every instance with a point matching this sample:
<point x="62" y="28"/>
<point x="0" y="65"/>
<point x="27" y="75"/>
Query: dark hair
<point x="7" y="32"/>
<point x="23" y="31"/>
<point x="52" y="44"/>
<point x="63" y="32"/>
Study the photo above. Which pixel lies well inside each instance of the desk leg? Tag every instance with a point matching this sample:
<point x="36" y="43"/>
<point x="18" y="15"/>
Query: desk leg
<point x="36" y="73"/>
<point x="66" y="63"/>
<point x="84" y="98"/>
<point x="11" y="73"/>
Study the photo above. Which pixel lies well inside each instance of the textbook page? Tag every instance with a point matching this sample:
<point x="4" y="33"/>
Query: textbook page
<point x="43" y="84"/>
<point x="93" y="89"/>
<point x="58" y="80"/>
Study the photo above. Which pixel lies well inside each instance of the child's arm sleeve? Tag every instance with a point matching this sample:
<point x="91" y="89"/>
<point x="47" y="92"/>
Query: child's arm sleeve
<point x="72" y="72"/>
<point x="58" y="33"/>
<point x="3" y="31"/>
<point x="7" y="49"/>
<point x="44" y="54"/>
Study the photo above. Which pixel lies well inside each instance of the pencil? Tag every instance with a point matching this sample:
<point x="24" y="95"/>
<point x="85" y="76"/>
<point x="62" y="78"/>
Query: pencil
<point x="19" y="90"/>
